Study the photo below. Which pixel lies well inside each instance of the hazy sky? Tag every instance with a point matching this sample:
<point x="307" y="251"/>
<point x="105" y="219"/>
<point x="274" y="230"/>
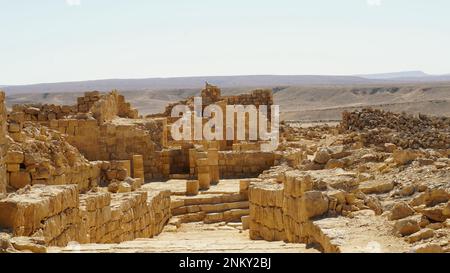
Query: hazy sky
<point x="67" y="40"/>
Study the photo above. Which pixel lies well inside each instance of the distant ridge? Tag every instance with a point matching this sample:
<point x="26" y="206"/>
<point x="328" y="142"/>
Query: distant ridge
<point x="254" y="81"/>
<point x="394" y="75"/>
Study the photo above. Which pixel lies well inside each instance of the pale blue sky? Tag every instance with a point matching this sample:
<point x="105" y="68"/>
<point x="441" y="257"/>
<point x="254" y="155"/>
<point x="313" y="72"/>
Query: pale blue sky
<point x="68" y="40"/>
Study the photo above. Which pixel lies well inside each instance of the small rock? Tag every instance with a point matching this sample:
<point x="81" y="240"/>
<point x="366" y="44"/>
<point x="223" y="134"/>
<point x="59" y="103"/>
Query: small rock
<point x="113" y="187"/>
<point x="376" y="187"/>
<point x="374" y="204"/>
<point x="435" y="214"/>
<point x="322" y="156"/>
<point x="369" y="158"/>
<point x="124" y="187"/>
<point x="389" y="147"/>
<point x="334" y="164"/>
<point x="400" y="210"/>
<point x="406" y="227"/>
<point x="427" y="248"/>
<point x="420" y="235"/>
<point x="27" y="244"/>
<point x="403" y="157"/>
<point x="435" y="226"/>
<point x="407" y="190"/>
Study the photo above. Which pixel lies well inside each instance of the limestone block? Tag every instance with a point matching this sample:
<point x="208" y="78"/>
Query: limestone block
<point x="19" y="179"/>
<point x="204" y="181"/>
<point x="138" y="166"/>
<point x="192" y="187"/>
<point x="23" y="213"/>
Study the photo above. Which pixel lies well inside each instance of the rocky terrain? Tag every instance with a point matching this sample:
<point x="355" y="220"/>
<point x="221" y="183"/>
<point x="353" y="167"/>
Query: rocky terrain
<point x="97" y="176"/>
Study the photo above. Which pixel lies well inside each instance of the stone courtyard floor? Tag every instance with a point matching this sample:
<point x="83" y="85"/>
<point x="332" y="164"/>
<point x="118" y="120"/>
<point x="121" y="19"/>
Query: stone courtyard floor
<point x="193" y="238"/>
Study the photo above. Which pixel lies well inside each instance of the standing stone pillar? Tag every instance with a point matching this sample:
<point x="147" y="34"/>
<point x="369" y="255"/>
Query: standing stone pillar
<point x="213" y="160"/>
<point x="165" y="161"/>
<point x="192" y="187"/>
<point x="138" y="166"/>
<point x="192" y="159"/>
<point x="204" y="178"/>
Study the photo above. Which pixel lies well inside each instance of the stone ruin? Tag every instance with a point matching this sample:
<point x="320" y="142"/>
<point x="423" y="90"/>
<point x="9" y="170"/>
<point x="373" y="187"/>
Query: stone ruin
<point x="98" y="172"/>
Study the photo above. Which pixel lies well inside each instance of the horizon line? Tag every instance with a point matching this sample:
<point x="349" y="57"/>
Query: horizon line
<point x="362" y="76"/>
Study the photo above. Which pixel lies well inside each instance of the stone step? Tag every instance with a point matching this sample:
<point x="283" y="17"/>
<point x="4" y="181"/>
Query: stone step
<point x="180" y="176"/>
<point x="226" y="216"/>
<point x="210" y="208"/>
<point x="208" y="218"/>
<point x="206" y="199"/>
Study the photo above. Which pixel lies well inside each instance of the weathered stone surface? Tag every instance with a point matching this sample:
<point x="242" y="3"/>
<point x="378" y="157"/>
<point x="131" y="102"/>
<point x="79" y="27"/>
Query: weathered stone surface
<point x="435" y="213"/>
<point x="400" y="210"/>
<point x="322" y="156"/>
<point x="420" y="235"/>
<point x="402" y="157"/>
<point x="406" y="227"/>
<point x="376" y="187"/>
<point x="427" y="248"/>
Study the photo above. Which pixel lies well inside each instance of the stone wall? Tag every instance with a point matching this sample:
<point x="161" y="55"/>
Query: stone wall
<point x="286" y="207"/>
<point x="57" y="215"/>
<point x="3" y="144"/>
<point x="256" y="97"/>
<point x="244" y="164"/>
<point x="111" y="141"/>
<point x="42" y="211"/>
<point x="266" y="212"/>
<point x="114" y="218"/>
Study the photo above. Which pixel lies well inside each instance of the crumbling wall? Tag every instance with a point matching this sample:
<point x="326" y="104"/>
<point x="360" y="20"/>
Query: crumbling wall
<point x="37" y="155"/>
<point x="3" y="144"/>
<point x="103" y="107"/>
<point x="111" y="106"/>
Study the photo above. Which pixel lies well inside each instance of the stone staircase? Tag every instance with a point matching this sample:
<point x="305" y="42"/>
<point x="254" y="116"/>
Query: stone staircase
<point x="209" y="208"/>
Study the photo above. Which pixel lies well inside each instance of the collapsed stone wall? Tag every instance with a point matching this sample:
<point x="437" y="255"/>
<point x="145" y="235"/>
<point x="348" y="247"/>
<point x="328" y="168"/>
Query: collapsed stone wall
<point x="407" y="131"/>
<point x="38" y="155"/>
<point x="3" y="144"/>
<point x="57" y="215"/>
